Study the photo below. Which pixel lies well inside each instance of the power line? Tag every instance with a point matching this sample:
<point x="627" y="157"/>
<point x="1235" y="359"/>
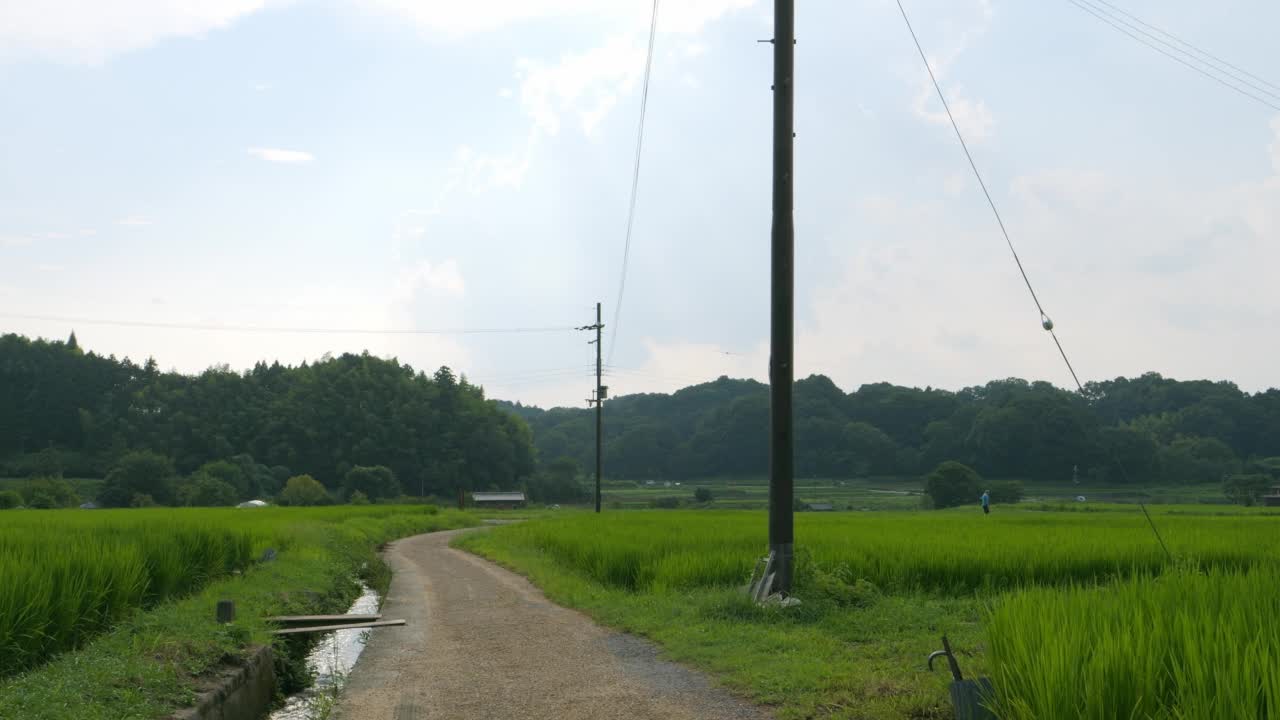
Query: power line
<point x="533" y="382"/>
<point x="517" y="376"/>
<point x="1229" y="70"/>
<point x="647" y="376"/>
<point x="1044" y="318"/>
<point x="1137" y="34"/>
<point x="299" y="330"/>
<point x="1184" y="43"/>
<point x="635" y="179"/>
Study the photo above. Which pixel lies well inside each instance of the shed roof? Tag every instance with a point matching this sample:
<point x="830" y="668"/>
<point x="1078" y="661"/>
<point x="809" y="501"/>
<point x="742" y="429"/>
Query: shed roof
<point x="498" y="497"/>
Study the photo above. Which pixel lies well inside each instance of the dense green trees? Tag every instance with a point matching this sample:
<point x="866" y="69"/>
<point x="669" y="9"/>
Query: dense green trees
<point x="64" y="410"/>
<point x="49" y="492"/>
<point x="304" y="490"/>
<point x="1144" y="430"/>
<point x="139" y="478"/>
<point x="205" y="490"/>
<point x="952" y="484"/>
<point x="374" y="482"/>
<point x="558" y="482"/>
<point x="10" y="499"/>
<point x="85" y="414"/>
<point x="1246" y="489"/>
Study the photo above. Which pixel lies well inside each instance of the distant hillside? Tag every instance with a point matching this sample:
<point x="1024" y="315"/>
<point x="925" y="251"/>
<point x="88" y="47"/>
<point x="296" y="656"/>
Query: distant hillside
<point x="439" y="433"/>
<point x="1158" y="428"/>
<point x="436" y="432"/>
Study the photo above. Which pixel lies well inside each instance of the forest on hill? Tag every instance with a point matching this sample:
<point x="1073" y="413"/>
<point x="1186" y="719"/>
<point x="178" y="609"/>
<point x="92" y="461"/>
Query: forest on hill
<point x="1156" y="428"/>
<point x="66" y="411"/>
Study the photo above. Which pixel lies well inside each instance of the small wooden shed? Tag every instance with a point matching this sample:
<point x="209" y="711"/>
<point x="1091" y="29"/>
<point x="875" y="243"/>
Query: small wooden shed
<point x="499" y="500"/>
<point x="1272" y="499"/>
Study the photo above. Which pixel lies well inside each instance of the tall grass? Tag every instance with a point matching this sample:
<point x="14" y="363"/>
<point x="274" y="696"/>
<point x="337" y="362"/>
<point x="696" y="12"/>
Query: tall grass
<point x="1185" y="645"/>
<point x="947" y="552"/>
<point x="67" y="576"/>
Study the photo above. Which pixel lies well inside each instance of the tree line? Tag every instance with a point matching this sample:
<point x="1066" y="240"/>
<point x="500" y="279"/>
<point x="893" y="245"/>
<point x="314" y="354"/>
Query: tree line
<point x="67" y="411"/>
<point x="1148" y="429"/>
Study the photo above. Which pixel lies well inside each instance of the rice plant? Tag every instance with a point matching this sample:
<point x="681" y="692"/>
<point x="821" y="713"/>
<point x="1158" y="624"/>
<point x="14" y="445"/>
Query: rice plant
<point x="1185" y="645"/>
<point x="947" y="552"/>
<point x="67" y="576"/>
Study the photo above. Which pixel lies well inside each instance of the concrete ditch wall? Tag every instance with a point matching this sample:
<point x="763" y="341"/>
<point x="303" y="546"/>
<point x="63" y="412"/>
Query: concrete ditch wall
<point x="244" y="693"/>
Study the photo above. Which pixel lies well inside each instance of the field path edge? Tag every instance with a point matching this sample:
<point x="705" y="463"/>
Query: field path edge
<point x="482" y="642"/>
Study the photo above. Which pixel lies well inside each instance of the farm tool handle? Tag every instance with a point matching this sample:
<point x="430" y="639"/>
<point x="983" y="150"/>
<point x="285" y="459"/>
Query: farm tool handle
<point x="951" y="659"/>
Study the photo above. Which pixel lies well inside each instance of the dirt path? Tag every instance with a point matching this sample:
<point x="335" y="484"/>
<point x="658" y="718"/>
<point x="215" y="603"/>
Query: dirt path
<point x="481" y="642"/>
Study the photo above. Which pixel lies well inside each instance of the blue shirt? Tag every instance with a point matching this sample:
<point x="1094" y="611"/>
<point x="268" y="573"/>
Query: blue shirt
<point x="986" y="499"/>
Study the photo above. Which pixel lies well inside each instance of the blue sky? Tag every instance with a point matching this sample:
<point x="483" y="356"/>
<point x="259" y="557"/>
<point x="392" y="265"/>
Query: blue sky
<point x="391" y="164"/>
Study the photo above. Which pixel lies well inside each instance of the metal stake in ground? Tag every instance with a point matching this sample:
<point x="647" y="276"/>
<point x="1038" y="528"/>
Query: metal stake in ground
<point x="781" y="372"/>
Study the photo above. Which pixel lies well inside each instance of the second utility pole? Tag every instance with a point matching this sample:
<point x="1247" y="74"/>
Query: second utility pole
<point x="598" y="400"/>
<point x="599" y="408"/>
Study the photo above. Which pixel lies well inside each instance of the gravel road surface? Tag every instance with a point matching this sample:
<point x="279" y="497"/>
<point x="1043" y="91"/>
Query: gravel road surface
<point x="481" y="642"/>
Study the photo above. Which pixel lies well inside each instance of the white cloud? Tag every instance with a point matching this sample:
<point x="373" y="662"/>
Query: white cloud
<point x="32" y="238"/>
<point x="578" y="89"/>
<point x="410" y="228"/>
<point x="955" y="183"/>
<point x="442" y="278"/>
<point x="973" y="116"/>
<point x="1274" y="147"/>
<point x="587" y="84"/>
<point x="691" y="16"/>
<point x="276" y="155"/>
<point x="478" y="172"/>
<point x="135" y="221"/>
<point x="90" y="31"/>
<point x="50" y="268"/>
<point x="695" y="49"/>
<point x="501" y="171"/>
<point x="673" y="365"/>
<point x="1137" y="275"/>
<point x="460" y="19"/>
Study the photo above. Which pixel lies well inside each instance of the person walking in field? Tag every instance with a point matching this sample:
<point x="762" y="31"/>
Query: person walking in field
<point x="986" y="503"/>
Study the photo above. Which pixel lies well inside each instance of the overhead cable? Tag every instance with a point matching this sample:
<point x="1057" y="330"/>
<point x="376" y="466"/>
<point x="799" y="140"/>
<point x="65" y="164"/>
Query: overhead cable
<point x="1045" y="321"/>
<point x="635" y="180"/>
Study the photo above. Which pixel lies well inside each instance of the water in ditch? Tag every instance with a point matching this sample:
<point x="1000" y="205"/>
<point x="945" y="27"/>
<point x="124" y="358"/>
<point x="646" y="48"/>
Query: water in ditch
<point x="330" y="662"/>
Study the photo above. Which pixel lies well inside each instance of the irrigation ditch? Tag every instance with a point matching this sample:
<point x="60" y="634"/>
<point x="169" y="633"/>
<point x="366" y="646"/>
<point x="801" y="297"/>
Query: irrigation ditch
<point x="311" y="669"/>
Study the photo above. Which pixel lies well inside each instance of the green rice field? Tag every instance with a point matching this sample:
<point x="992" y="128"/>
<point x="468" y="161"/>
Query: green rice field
<point x="882" y="493"/>
<point x="1073" y="614"/>
<point x="68" y="576"/>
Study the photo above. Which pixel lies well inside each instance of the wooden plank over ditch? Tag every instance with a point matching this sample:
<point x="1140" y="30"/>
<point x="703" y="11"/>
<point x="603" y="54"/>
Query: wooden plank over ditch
<point x="301" y="619"/>
<point x="344" y="626"/>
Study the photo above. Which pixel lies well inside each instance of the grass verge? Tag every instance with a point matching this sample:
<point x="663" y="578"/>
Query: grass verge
<point x="857" y="657"/>
<point x="879" y="589"/>
<point x="159" y="660"/>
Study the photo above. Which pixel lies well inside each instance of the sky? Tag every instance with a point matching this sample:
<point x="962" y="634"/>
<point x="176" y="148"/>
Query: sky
<point x="405" y="166"/>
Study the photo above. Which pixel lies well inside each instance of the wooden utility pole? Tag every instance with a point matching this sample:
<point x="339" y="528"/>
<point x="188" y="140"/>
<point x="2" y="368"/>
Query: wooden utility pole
<point x="781" y="370"/>
<point x="598" y="400"/>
